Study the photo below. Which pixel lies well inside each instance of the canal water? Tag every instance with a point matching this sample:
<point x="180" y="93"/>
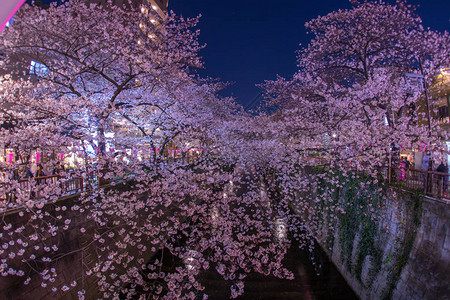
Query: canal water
<point x="315" y="278"/>
<point x="315" y="275"/>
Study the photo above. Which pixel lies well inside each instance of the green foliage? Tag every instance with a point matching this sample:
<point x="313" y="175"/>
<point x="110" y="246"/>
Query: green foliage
<point x="359" y="197"/>
<point x="361" y="202"/>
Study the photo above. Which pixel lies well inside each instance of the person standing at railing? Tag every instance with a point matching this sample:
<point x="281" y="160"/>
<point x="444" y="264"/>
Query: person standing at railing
<point x="407" y="163"/>
<point x="443" y="168"/>
<point x="408" y="168"/>
<point x="25" y="172"/>
<point x="426" y="166"/>
<point x="402" y="175"/>
<point x="58" y="169"/>
<point x="404" y="168"/>
<point x="15" y="174"/>
<point x="40" y="173"/>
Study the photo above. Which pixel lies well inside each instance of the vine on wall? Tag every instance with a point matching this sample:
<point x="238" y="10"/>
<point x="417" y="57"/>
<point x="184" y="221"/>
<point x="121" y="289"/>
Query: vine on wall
<point x="362" y="201"/>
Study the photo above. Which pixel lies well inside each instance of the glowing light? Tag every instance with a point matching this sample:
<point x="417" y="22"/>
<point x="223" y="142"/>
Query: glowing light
<point x="280" y="230"/>
<point x="215" y="213"/>
<point x="153" y="21"/>
<point x="190" y="260"/>
<point x="155" y="7"/>
<point x="11" y="14"/>
<point x="445" y="71"/>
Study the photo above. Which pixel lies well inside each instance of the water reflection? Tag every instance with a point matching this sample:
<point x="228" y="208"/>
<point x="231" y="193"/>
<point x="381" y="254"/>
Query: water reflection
<point x="228" y="189"/>
<point x="315" y="276"/>
<point x="191" y="260"/>
<point x="280" y="228"/>
<point x="215" y="215"/>
<point x="264" y="195"/>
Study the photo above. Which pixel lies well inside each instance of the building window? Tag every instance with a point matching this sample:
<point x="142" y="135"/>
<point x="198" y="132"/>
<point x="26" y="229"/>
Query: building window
<point x="38" y="68"/>
<point x="9" y="22"/>
<point x="443" y="112"/>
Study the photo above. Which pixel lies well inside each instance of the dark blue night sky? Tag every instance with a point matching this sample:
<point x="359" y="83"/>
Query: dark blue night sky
<point x="249" y="41"/>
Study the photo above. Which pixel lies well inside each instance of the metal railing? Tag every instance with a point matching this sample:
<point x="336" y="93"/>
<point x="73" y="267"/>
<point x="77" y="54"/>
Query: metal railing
<point x="35" y="187"/>
<point x="431" y="183"/>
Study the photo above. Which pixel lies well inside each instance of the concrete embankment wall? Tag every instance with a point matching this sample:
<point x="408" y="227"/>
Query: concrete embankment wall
<point x="397" y="247"/>
<point x="426" y="275"/>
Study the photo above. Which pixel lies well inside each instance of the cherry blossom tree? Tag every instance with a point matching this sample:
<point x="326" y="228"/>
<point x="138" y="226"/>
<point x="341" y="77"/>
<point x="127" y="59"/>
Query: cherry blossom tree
<point x="120" y="95"/>
<point x="106" y="89"/>
<point x="346" y="111"/>
<point x="118" y="91"/>
<point x="351" y="81"/>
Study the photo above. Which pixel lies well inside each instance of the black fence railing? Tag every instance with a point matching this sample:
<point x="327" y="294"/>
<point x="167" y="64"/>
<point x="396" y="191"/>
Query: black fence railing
<point x="35" y="187"/>
<point x="431" y="183"/>
<point x="69" y="183"/>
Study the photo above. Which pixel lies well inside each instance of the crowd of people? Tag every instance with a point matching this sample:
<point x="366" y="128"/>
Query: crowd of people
<point x="24" y="171"/>
<point x="428" y="166"/>
<point x="434" y="179"/>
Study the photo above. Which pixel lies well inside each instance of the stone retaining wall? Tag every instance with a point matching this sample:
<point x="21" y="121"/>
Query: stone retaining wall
<point x="409" y="258"/>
